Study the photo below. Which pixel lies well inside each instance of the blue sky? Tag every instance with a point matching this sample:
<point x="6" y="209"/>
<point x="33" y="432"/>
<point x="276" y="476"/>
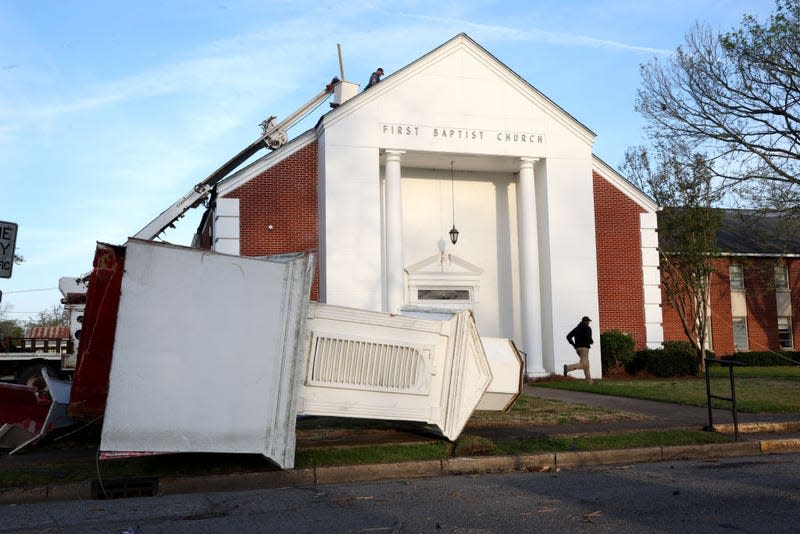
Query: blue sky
<point x="110" y="111"/>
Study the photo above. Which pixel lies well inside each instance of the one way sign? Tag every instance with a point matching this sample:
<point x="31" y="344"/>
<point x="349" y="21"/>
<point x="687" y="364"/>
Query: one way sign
<point x="8" y="241"/>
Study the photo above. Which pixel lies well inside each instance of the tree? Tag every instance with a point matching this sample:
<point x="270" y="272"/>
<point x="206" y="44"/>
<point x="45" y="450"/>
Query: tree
<point x="687" y="226"/>
<point x="734" y="97"/>
<point x="54" y="316"/>
<point x="9" y="327"/>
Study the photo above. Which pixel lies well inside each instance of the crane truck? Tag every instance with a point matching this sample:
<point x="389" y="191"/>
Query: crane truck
<point x="273" y="136"/>
<point x="56" y="348"/>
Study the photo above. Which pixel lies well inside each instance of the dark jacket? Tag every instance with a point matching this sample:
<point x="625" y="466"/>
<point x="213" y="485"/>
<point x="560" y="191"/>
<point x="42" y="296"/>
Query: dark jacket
<point x="580" y="336"/>
<point x="373" y="79"/>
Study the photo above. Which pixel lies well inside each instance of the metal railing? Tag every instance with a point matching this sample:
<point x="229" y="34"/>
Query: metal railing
<point x="730" y="364"/>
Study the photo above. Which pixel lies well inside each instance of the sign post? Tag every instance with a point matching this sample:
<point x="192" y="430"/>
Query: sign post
<point x="8" y="241"/>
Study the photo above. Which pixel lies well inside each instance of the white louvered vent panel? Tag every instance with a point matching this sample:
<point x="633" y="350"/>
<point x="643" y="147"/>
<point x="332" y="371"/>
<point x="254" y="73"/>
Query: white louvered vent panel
<point x="367" y="365"/>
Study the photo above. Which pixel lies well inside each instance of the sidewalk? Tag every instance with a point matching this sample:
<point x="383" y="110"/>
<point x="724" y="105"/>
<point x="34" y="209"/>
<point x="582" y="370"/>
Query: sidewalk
<point x="759" y="434"/>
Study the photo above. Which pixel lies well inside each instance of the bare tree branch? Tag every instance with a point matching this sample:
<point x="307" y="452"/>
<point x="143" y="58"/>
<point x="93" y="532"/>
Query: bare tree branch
<point x="735" y="98"/>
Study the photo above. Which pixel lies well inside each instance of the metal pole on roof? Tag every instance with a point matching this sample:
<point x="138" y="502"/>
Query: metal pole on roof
<point x="341" y="64"/>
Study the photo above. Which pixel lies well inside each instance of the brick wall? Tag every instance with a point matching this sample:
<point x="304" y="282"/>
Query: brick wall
<point x="673" y="331"/>
<point x="794" y="284"/>
<point x="762" y="313"/>
<point x="284" y="196"/>
<point x="619" y="261"/>
<point x="721" y="316"/>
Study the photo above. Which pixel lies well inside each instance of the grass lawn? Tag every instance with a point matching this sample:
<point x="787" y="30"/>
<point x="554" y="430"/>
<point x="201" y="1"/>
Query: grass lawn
<point x="532" y="412"/>
<point x="628" y="440"/>
<point x="758" y="389"/>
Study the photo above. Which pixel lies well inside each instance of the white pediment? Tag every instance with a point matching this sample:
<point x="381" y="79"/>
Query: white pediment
<point x="443" y="281"/>
<point x="443" y="263"/>
<point x="460" y="98"/>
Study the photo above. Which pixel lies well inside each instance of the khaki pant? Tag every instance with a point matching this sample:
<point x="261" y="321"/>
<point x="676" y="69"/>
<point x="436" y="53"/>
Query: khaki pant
<point x="583" y="354"/>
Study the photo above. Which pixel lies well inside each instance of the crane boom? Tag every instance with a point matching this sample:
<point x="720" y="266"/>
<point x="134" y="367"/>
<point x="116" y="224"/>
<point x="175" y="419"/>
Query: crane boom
<point x="273" y="136"/>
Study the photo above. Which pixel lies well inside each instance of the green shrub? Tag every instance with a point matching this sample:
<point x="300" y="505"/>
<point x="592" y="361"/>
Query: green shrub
<point x="677" y="358"/>
<point x="616" y="349"/>
<point x="766" y="358"/>
<point x="639" y="361"/>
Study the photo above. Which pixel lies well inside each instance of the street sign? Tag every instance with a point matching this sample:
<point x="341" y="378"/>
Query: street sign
<point x="8" y="242"/>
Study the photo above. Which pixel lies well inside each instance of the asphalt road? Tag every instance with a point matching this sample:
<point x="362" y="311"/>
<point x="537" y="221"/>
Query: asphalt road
<point x="746" y="494"/>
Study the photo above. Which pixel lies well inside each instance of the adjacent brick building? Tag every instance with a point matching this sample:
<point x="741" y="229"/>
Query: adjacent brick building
<point x="754" y="288"/>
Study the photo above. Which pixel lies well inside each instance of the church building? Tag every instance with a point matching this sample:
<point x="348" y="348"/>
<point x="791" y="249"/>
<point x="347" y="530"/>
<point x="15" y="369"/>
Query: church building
<point x="455" y="184"/>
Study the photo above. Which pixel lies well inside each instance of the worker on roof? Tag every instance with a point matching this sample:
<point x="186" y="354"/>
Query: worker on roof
<point x="375" y="78"/>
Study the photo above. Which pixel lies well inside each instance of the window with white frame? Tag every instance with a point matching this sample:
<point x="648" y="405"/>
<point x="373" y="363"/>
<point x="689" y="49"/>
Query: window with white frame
<point x="740" y="333"/>
<point x="447" y="294"/>
<point x="781" y="277"/>
<point x="736" y="276"/>
<point x="785" y="332"/>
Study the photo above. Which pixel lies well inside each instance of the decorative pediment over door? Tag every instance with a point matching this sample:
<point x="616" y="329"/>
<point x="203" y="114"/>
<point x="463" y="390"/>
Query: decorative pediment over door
<point x="443" y="281"/>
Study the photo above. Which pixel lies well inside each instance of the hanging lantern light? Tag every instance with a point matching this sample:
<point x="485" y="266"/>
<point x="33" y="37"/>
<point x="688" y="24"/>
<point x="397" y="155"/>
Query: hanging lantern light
<point x="453" y="231"/>
<point x="453" y="234"/>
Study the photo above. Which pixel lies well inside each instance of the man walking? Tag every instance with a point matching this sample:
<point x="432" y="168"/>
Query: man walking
<point x="580" y="338"/>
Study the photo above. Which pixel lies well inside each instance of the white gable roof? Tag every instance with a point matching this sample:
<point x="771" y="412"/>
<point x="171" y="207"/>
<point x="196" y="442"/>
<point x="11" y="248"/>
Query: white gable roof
<point x="461" y="43"/>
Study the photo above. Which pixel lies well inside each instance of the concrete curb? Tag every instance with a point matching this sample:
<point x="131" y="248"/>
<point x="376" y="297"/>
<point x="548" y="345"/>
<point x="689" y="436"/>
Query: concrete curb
<point x="455" y="466"/>
<point x="771" y="446"/>
<point x="77" y="491"/>
<point x="344" y="474"/>
<point x="759" y="428"/>
<point x="614" y="456"/>
<point x="235" y="482"/>
<point x="712" y="450"/>
<point x="498" y="464"/>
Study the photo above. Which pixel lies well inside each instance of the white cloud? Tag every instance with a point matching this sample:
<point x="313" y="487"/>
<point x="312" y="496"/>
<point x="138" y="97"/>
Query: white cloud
<point x="542" y="36"/>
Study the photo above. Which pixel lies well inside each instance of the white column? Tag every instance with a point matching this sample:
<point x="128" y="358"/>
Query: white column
<point x="529" y="269"/>
<point x="394" y="234"/>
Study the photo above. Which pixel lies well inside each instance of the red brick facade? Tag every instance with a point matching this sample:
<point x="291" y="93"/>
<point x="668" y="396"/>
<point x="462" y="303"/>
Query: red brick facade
<point x="721" y="318"/>
<point x="761" y="301"/>
<point x="619" y="261"/>
<point x="284" y="197"/>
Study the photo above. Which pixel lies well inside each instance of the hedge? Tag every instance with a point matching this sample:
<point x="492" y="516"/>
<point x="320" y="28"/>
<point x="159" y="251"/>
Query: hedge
<point x="677" y="358"/>
<point x="766" y="358"/>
